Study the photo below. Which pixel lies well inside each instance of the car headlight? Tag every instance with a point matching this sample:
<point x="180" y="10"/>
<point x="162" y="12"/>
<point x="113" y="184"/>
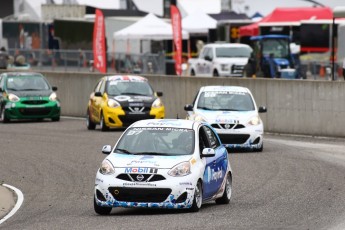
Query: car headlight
<point x="106" y="168"/>
<point x="255" y="120"/>
<point x="53" y="97"/>
<point x="13" y="98"/>
<point x="224" y="67"/>
<point x="157" y="103"/>
<point x="182" y="169"/>
<point x="113" y="104"/>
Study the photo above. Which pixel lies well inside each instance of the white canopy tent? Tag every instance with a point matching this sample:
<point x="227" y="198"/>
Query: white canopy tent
<point x="148" y="28"/>
<point x="198" y="22"/>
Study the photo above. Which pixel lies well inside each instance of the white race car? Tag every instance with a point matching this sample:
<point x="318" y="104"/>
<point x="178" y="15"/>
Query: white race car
<point x="232" y="112"/>
<point x="167" y="163"/>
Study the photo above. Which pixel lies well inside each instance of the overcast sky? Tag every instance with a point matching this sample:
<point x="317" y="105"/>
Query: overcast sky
<point x="267" y="6"/>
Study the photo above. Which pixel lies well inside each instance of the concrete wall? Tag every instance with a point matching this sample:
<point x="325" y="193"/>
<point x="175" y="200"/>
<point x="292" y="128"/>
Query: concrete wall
<point x="294" y="106"/>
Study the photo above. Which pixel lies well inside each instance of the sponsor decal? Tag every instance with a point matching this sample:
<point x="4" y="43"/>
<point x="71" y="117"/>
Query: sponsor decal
<point x="122" y="98"/>
<point x="99" y="180"/>
<point x="193" y="161"/>
<point x="186" y="183"/>
<point x="212" y="175"/>
<point x="143" y="162"/>
<point x="141" y="170"/>
<point x="139" y="184"/>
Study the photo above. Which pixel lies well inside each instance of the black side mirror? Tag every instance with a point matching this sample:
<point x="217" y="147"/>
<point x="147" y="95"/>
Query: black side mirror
<point x="208" y="58"/>
<point x="262" y="109"/>
<point x="98" y="94"/>
<point x="159" y="94"/>
<point x="188" y="107"/>
<point x="54" y="88"/>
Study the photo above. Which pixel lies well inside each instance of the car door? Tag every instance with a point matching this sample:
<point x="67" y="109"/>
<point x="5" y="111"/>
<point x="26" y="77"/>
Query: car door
<point x="202" y="64"/>
<point x="216" y="166"/>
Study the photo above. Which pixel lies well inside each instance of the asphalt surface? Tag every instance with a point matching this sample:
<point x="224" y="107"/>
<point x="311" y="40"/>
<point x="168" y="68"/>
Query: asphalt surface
<point x="295" y="183"/>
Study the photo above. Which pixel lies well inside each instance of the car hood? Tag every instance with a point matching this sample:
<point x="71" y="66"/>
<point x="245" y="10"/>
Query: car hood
<point x="135" y="100"/>
<point x="226" y="116"/>
<point x="233" y="60"/>
<point x="32" y="93"/>
<point x="127" y="160"/>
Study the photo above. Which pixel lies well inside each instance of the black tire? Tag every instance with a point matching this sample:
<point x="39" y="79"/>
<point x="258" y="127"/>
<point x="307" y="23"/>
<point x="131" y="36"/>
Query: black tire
<point x="260" y="149"/>
<point x="225" y="199"/>
<point x="215" y="73"/>
<point x="247" y="71"/>
<point x="101" y="210"/>
<point x="3" y="117"/>
<point x="89" y="123"/>
<point x="104" y="127"/>
<point x="56" y="118"/>
<point x="197" y="200"/>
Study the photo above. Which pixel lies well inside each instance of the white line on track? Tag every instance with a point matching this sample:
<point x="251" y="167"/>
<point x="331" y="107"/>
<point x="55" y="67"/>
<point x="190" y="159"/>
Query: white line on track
<point x="20" y="199"/>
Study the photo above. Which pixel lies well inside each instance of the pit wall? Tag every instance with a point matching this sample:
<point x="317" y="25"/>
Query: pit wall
<point x="305" y="107"/>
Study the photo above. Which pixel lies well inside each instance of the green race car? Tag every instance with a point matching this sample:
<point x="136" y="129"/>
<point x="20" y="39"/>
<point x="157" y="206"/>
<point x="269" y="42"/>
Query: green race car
<point x="27" y="95"/>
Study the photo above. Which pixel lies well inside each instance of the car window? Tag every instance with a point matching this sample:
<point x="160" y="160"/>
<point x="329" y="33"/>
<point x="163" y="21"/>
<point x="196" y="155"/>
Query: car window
<point x="213" y="141"/>
<point x="233" y="51"/>
<point x="98" y="86"/>
<point x="129" y="87"/>
<point x="226" y="101"/>
<point x="102" y="87"/>
<point x="164" y="141"/>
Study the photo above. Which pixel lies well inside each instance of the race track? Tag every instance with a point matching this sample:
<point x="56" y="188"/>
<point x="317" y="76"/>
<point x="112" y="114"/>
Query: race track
<point x="295" y="183"/>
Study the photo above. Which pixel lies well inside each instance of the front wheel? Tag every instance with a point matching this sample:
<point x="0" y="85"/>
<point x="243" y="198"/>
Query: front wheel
<point x="197" y="200"/>
<point x="89" y="123"/>
<point x="99" y="209"/>
<point x="225" y="199"/>
<point x="104" y="127"/>
<point x="3" y="117"/>
<point x="215" y="73"/>
<point x="56" y="118"/>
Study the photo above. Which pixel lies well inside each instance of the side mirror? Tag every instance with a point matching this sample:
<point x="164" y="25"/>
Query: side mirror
<point x="208" y="58"/>
<point x="54" y="88"/>
<point x="262" y="109"/>
<point x="98" y="94"/>
<point x="106" y="149"/>
<point x="159" y="94"/>
<point x="188" y="107"/>
<point x="208" y="152"/>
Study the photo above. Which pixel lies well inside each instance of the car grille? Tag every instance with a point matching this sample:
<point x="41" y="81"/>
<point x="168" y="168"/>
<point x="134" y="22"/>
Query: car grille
<point x="227" y="126"/>
<point x="146" y="177"/>
<point x="35" y="102"/>
<point x="233" y="138"/>
<point x="140" y="194"/>
<point x="237" y="69"/>
<point x="34" y="111"/>
<point x="128" y="119"/>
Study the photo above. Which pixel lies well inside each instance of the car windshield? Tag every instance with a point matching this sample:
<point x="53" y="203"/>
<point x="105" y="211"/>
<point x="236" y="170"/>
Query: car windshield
<point x="157" y="141"/>
<point x="27" y="83"/>
<point x="225" y="101"/>
<point x="115" y="88"/>
<point x="233" y="52"/>
<point x="279" y="48"/>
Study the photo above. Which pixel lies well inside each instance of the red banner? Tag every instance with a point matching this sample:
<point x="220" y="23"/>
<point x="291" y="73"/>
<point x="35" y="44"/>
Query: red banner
<point x="177" y="37"/>
<point x="99" y="52"/>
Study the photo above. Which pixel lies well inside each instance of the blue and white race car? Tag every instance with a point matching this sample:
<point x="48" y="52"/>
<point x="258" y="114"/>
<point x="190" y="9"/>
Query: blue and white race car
<point x="166" y="163"/>
<point x="232" y="112"/>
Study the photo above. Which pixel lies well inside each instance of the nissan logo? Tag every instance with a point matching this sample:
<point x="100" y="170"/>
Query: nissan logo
<point x="227" y="126"/>
<point x="140" y="177"/>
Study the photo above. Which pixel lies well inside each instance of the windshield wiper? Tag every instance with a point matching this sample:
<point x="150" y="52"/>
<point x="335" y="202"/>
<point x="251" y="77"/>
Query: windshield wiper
<point x="133" y="94"/>
<point x="123" y="150"/>
<point x="205" y="108"/>
<point x="12" y="89"/>
<point x="152" y="153"/>
<point x="30" y="89"/>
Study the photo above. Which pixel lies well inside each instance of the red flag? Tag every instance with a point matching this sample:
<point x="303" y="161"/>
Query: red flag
<point x="99" y="52"/>
<point x="177" y="34"/>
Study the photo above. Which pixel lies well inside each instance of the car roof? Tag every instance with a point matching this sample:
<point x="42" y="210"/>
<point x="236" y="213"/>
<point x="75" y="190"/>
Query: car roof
<point x="228" y="45"/>
<point x="212" y="88"/>
<point x="126" y="78"/>
<point x="166" y="123"/>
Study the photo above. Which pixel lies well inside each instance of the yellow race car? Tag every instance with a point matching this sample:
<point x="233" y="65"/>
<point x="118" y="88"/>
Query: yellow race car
<point x="120" y="100"/>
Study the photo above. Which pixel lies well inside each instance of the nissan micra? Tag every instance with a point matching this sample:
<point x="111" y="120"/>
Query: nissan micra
<point x="164" y="163"/>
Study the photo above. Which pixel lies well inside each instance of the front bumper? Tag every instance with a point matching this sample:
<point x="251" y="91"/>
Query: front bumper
<point x="18" y="110"/>
<point x="243" y="138"/>
<point x="118" y="118"/>
<point x="171" y="193"/>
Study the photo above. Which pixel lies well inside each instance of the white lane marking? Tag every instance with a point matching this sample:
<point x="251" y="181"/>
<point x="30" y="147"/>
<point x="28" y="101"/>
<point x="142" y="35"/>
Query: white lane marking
<point x="19" y="203"/>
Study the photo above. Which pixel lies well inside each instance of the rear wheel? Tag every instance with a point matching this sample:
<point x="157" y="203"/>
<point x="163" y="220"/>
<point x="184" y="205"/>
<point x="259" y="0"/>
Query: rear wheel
<point x="104" y="127"/>
<point x="197" y="200"/>
<point x="225" y="199"/>
<point x="192" y="73"/>
<point x="3" y="117"/>
<point x="99" y="209"/>
<point x="215" y="73"/>
<point x="89" y="123"/>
